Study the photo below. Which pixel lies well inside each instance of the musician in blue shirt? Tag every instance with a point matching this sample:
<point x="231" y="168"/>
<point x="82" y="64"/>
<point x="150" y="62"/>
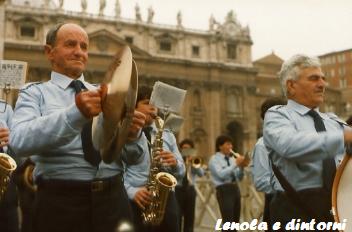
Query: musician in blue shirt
<point x="8" y="204"/>
<point x="303" y="142"/>
<point x="225" y="171"/>
<point x="136" y="176"/>
<point x="76" y="191"/>
<point x="261" y="169"/>
<point x="185" y="190"/>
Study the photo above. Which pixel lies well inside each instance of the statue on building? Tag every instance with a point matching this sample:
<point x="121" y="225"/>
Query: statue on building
<point x="61" y="4"/>
<point x="46" y="3"/>
<point x="246" y="31"/>
<point x="231" y="17"/>
<point x="138" y="13"/>
<point x="84" y="5"/>
<point x="117" y="9"/>
<point x="150" y="15"/>
<point x="179" y="19"/>
<point x="212" y="23"/>
<point x="102" y="7"/>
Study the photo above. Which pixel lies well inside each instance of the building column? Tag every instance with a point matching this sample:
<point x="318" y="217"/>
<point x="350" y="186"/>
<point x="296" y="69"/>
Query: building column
<point x="2" y="33"/>
<point x="2" y="28"/>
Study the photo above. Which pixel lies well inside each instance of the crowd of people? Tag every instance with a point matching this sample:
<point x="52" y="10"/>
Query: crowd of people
<point x="74" y="190"/>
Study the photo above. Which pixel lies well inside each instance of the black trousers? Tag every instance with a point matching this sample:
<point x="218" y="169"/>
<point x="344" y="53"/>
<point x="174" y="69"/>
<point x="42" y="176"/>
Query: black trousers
<point x="76" y="206"/>
<point x="283" y="210"/>
<point x="186" y="198"/>
<point x="266" y="214"/>
<point x="169" y="224"/>
<point x="229" y="200"/>
<point x="26" y="199"/>
<point x="8" y="210"/>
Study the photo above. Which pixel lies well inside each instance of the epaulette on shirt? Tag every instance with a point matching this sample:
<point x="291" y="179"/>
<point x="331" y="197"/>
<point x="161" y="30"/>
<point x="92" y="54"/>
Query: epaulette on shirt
<point x="276" y="108"/>
<point x="335" y="118"/>
<point x="29" y="85"/>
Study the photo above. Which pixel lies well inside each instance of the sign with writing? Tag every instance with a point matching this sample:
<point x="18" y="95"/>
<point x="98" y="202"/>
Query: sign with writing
<point x="12" y="73"/>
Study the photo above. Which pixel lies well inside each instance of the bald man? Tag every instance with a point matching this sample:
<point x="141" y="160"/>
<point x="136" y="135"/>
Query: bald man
<point x="76" y="190"/>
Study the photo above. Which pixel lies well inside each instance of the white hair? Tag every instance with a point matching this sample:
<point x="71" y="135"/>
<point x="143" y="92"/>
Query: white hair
<point x="290" y="69"/>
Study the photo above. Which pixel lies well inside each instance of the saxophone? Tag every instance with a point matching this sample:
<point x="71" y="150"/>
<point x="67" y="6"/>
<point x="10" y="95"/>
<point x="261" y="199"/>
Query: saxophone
<point x="159" y="183"/>
<point x="7" y="166"/>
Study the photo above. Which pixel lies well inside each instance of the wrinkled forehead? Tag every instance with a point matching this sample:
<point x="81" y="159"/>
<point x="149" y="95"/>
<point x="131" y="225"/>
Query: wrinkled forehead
<point x="72" y="31"/>
<point x="311" y="71"/>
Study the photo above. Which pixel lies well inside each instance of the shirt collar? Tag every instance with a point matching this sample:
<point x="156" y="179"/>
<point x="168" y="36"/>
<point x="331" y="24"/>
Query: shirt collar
<point x="64" y="81"/>
<point x="218" y="153"/>
<point x="303" y="110"/>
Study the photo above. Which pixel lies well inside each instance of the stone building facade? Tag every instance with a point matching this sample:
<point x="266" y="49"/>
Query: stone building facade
<point x="224" y="89"/>
<point x="337" y="67"/>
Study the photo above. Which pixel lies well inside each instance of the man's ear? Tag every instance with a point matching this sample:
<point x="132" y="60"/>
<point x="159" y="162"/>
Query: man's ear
<point x="291" y="90"/>
<point x="48" y="51"/>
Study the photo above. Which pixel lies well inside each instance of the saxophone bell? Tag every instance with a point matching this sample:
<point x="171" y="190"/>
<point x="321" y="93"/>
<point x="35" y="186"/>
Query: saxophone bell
<point x="7" y="166"/>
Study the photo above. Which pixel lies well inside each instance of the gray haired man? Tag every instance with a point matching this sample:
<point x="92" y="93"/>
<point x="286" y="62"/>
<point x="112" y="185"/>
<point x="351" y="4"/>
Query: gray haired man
<point x="303" y="144"/>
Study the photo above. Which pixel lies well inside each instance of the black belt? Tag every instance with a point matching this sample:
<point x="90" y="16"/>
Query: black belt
<point x="97" y="185"/>
<point x="307" y="191"/>
<point x="226" y="185"/>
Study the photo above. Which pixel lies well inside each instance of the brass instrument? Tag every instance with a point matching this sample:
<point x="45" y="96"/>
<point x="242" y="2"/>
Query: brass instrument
<point x="28" y="178"/>
<point x="236" y="155"/>
<point x="196" y="162"/>
<point x="121" y="79"/>
<point x="159" y="183"/>
<point x="7" y="166"/>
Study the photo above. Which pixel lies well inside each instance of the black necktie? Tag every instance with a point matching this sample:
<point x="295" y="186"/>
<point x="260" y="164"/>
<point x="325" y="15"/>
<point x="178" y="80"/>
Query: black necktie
<point x="227" y="160"/>
<point x="185" y="178"/>
<point x="318" y="122"/>
<point x="90" y="154"/>
<point x="77" y="85"/>
<point x="147" y="132"/>
<point x="329" y="166"/>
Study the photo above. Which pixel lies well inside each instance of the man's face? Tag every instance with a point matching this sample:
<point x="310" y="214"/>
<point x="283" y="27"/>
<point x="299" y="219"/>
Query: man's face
<point x="186" y="146"/>
<point x="69" y="55"/>
<point x="226" y="148"/>
<point x="309" y="89"/>
<point x="150" y="111"/>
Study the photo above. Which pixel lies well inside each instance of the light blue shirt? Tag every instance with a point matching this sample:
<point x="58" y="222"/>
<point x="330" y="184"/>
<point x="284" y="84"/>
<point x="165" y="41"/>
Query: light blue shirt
<point x="6" y="113"/>
<point x="261" y="168"/>
<point x="192" y="176"/>
<point x="221" y="173"/>
<point x="136" y="175"/>
<point x="48" y="123"/>
<point x="196" y="172"/>
<point x="295" y="146"/>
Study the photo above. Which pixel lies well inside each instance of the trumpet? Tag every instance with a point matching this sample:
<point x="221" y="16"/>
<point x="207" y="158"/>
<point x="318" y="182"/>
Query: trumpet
<point x="196" y="162"/>
<point x="236" y="155"/>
